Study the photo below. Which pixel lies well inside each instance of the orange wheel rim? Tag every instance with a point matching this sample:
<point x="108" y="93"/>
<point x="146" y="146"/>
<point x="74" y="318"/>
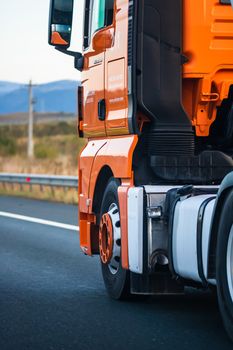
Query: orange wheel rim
<point x="106" y="238"/>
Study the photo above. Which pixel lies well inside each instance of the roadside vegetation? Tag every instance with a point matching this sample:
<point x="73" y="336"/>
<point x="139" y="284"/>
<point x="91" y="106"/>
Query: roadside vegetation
<point x="55" y="194"/>
<point x="56" y="148"/>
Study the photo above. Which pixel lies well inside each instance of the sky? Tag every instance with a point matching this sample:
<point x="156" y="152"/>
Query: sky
<point x="24" y="50"/>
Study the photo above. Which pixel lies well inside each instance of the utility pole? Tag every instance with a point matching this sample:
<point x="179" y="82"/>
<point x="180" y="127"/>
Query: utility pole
<point x="30" y="121"/>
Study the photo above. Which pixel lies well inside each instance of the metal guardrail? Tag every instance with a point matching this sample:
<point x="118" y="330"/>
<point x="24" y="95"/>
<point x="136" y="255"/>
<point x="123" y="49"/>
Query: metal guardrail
<point x="43" y="180"/>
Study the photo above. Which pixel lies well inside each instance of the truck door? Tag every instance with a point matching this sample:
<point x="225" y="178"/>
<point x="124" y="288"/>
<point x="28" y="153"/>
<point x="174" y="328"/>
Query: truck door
<point x="116" y="66"/>
<point x="93" y="73"/>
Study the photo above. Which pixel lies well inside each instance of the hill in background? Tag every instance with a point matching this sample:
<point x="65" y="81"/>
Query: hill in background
<point x="55" y="97"/>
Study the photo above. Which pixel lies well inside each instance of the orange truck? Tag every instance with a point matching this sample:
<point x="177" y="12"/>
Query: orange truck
<point x="156" y="176"/>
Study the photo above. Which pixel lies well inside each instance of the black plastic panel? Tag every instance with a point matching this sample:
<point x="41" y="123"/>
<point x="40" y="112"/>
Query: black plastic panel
<point x="209" y="167"/>
<point x="159" y="62"/>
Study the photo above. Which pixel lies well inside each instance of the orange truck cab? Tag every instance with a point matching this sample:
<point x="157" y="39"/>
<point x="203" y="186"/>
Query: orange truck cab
<point x="155" y="177"/>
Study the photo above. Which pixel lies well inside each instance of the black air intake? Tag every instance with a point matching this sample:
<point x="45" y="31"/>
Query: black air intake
<point x="209" y="167"/>
<point x="159" y="77"/>
<point x="171" y="143"/>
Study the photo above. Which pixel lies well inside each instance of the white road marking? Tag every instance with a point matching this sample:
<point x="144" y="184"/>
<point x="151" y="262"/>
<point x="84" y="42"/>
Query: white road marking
<point x="39" y="221"/>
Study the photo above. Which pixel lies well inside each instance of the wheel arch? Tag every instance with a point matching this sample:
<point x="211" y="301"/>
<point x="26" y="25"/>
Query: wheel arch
<point x="114" y="159"/>
<point x="223" y="191"/>
<point x="102" y="180"/>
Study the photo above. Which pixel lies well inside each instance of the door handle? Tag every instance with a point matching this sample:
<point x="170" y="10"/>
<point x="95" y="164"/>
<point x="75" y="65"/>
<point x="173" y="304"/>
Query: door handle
<point x="102" y="110"/>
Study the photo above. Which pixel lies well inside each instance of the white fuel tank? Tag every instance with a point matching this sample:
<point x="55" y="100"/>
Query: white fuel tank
<point x="191" y="236"/>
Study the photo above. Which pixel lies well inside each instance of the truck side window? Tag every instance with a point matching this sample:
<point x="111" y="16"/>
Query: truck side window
<point x="109" y="9"/>
<point x="99" y="13"/>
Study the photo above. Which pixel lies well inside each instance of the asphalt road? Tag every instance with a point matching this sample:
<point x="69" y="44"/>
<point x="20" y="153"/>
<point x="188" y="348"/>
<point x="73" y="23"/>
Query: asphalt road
<point x="53" y="297"/>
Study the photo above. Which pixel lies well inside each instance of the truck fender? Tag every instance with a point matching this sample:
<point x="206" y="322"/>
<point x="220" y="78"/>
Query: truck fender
<point x="224" y="189"/>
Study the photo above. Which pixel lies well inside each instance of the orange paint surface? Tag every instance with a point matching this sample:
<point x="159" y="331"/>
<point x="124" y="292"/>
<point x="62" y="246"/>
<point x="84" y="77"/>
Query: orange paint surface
<point x="105" y="77"/>
<point x="56" y="39"/>
<point x="208" y="45"/>
<point x="86" y="160"/>
<point x="87" y="230"/>
<point x="117" y="153"/>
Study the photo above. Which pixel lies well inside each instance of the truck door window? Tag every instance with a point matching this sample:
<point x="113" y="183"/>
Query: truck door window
<point x="109" y="9"/>
<point x="99" y="13"/>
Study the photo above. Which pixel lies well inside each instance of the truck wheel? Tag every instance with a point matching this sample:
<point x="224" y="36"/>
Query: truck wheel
<point x="224" y="264"/>
<point x="116" y="279"/>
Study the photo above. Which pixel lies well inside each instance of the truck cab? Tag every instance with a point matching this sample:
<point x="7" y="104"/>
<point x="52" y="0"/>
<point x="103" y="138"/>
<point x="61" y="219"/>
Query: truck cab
<point x="156" y="107"/>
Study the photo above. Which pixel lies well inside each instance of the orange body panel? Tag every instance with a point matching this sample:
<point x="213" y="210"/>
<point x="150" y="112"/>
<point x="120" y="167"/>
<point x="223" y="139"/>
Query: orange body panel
<point x="208" y="45"/>
<point x="93" y="92"/>
<point x="122" y="195"/>
<point x="87" y="229"/>
<point x="85" y="170"/>
<point x="116" y="77"/>
<point x="117" y="154"/>
<point x="105" y="77"/>
<point x="56" y="39"/>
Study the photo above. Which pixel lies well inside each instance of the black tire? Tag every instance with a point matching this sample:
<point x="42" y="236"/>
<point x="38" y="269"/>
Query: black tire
<point x="225" y="299"/>
<point x="118" y="284"/>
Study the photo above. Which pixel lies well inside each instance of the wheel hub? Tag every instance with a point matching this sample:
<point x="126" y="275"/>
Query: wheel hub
<point x="110" y="238"/>
<point x="106" y="238"/>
